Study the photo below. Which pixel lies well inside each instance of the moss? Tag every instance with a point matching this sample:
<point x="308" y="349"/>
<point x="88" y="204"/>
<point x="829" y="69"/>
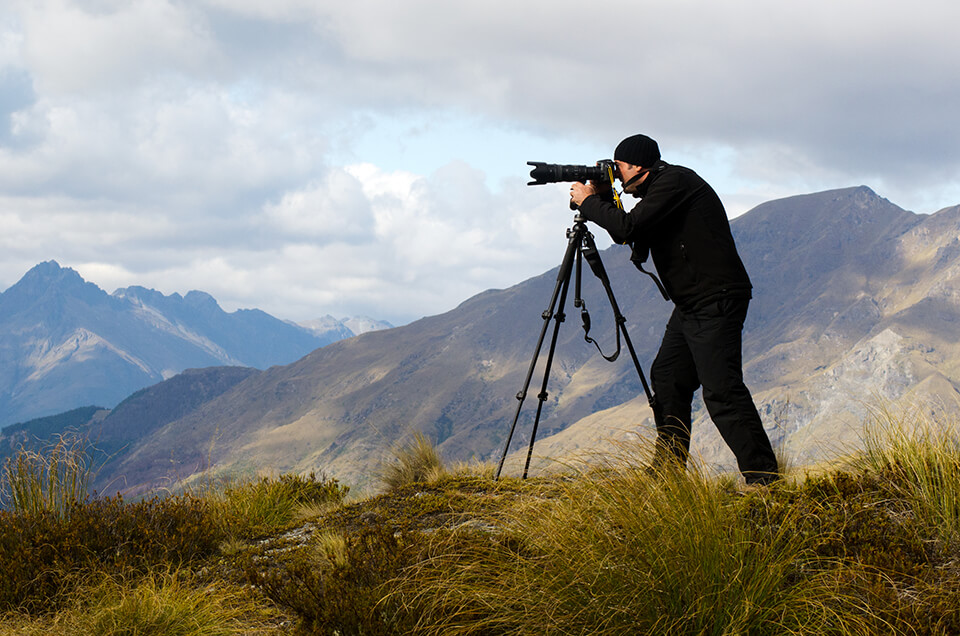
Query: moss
<point x="344" y="593"/>
<point x="426" y="506"/>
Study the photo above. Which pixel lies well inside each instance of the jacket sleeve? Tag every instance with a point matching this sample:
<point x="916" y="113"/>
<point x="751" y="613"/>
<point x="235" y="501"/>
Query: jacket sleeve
<point x="665" y="195"/>
<point x="617" y="223"/>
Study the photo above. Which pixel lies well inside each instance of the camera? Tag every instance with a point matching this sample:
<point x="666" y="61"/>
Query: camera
<point x="552" y="172"/>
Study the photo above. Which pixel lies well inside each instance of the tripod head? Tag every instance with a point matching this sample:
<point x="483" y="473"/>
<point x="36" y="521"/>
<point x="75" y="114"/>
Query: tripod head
<point x="579" y="224"/>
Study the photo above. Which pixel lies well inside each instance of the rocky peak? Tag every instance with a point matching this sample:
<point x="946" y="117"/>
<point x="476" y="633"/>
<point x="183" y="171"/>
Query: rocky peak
<point x="201" y="300"/>
<point x="48" y="282"/>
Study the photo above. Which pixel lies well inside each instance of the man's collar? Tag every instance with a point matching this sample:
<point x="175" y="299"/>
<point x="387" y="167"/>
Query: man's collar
<point x="653" y="172"/>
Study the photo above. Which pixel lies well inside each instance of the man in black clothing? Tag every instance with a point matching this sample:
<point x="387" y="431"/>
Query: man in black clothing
<point x="681" y="223"/>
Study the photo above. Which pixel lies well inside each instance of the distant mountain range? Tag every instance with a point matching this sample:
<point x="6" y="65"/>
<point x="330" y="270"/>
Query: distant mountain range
<point x="66" y="343"/>
<point x="856" y="302"/>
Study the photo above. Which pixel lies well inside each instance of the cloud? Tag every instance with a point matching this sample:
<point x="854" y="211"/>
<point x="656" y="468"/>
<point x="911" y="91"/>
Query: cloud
<point x="107" y="45"/>
<point x="368" y="157"/>
<point x="333" y="210"/>
<point x="417" y="242"/>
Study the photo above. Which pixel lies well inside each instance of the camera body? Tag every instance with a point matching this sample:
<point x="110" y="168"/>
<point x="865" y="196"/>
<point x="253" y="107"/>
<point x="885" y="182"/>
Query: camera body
<point x="543" y="173"/>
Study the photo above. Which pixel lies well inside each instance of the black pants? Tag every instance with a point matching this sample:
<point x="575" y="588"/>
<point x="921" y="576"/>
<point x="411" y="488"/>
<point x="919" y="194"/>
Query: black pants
<point x="703" y="347"/>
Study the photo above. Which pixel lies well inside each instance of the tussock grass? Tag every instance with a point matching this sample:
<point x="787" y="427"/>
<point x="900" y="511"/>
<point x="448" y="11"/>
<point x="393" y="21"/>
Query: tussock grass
<point x="417" y="461"/>
<point x="257" y="506"/>
<point x="602" y="547"/>
<point x="50" y="480"/>
<point x="617" y="550"/>
<point x="476" y="469"/>
<point x="918" y="450"/>
<point x="159" y="604"/>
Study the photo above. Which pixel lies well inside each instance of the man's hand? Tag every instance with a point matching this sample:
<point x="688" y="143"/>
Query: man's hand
<point x="602" y="186"/>
<point x="580" y="191"/>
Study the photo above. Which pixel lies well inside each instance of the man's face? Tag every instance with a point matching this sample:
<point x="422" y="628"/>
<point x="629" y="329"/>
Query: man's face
<point x="627" y="172"/>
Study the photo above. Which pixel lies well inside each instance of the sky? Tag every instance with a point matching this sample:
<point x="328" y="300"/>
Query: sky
<point x="308" y="157"/>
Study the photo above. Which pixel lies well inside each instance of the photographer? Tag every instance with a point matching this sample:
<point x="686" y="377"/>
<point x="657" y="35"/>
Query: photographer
<point x="681" y="222"/>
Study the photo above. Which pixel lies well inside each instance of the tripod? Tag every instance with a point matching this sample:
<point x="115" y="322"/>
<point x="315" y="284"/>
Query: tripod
<point x="580" y="245"/>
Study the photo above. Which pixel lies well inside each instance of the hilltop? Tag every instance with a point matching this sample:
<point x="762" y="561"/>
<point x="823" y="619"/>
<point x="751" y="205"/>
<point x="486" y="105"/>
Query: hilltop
<point x="866" y="548"/>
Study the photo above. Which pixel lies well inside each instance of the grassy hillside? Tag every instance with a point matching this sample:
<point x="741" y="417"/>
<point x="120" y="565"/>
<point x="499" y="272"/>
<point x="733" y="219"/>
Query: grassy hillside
<point x="868" y="546"/>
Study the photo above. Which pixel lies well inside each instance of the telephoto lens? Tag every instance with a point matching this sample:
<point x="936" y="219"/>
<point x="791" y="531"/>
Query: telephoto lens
<point x="543" y="173"/>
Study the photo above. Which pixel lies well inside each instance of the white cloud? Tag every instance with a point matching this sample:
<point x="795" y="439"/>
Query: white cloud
<point x="368" y="157"/>
<point x="75" y="47"/>
<point x="333" y="210"/>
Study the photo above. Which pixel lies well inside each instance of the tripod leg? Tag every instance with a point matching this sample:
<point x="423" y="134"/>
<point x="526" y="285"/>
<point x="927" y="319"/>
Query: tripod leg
<point x="592" y="255"/>
<point x="563" y="278"/>
<point x="542" y="397"/>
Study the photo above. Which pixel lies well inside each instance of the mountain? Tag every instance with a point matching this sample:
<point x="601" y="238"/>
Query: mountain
<point x="65" y="342"/>
<point x="856" y="307"/>
<point x="856" y="302"/>
<point x="334" y="329"/>
<point x="115" y="432"/>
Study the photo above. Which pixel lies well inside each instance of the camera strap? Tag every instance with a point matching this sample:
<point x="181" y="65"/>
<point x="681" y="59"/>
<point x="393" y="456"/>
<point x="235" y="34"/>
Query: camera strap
<point x="616" y="195"/>
<point x="638" y="257"/>
<point x="585" y="317"/>
<point x="592" y="256"/>
<point x="663" y="291"/>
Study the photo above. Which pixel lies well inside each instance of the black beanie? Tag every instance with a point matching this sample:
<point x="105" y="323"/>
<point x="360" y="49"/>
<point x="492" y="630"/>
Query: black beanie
<point x="638" y="150"/>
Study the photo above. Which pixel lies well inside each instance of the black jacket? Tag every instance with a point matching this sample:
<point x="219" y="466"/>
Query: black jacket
<point x="681" y="222"/>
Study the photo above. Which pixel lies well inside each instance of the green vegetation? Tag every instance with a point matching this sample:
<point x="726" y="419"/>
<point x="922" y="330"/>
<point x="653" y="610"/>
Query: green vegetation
<point x="49" y="481"/>
<point x="72" y="564"/>
<point x="418" y="461"/>
<point x="256" y="507"/>
<point x="870" y="547"/>
<point x="161" y="604"/>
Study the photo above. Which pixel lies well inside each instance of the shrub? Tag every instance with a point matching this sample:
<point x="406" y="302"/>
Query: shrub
<point x="40" y="553"/>
<point x="336" y="583"/>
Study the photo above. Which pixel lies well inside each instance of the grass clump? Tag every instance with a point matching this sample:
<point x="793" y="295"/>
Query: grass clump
<point x="155" y="605"/>
<point x="170" y="603"/>
<point x="620" y="551"/>
<point x="918" y="455"/>
<point x="267" y="504"/>
<point x="47" y="481"/>
<point x="417" y="461"/>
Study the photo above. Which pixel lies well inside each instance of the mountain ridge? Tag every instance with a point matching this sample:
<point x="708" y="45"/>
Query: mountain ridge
<point x="65" y="342"/>
<point x="853" y="298"/>
<point x="454" y="376"/>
